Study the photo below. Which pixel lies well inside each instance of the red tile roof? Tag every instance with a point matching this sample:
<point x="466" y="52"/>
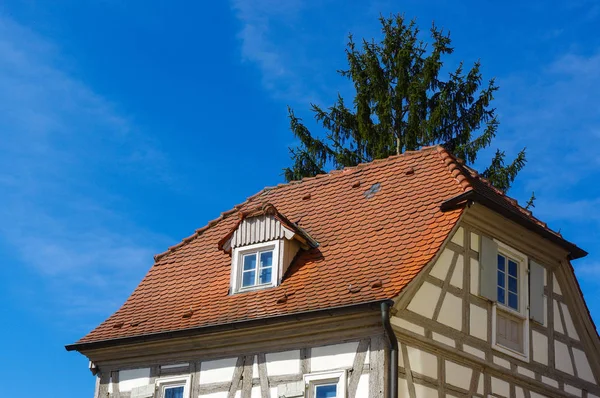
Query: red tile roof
<point x="370" y="247"/>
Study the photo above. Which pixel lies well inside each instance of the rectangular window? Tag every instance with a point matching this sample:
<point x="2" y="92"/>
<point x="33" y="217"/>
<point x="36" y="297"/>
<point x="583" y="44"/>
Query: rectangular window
<point x="326" y="384"/>
<point x="506" y="285"/>
<point x="508" y="282"/>
<point x="325" y="391"/>
<point x="174" y="392"/>
<point x="257" y="268"/>
<point x="173" y="387"/>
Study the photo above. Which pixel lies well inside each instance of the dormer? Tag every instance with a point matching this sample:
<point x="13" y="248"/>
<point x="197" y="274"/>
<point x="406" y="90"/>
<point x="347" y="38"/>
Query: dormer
<point x="262" y="246"/>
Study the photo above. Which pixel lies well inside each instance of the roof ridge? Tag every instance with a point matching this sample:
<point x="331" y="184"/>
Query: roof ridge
<point x="455" y="167"/>
<point x="236" y="208"/>
<point x="347" y="169"/>
<point x="468" y="173"/>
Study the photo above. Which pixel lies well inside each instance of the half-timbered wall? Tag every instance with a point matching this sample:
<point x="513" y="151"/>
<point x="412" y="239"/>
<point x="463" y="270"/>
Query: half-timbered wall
<point x="445" y="328"/>
<point x="271" y="374"/>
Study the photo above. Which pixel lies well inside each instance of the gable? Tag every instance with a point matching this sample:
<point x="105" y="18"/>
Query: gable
<point x="446" y="305"/>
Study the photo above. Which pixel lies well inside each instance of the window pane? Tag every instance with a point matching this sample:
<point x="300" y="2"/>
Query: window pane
<point x="265" y="275"/>
<point x="249" y="262"/>
<point x="501" y="279"/>
<point x="513" y="301"/>
<point x="326" y="391"/>
<point x="174" y="392"/>
<point x="501" y="299"/>
<point x="512" y="268"/>
<point x="501" y="263"/>
<point x="512" y="284"/>
<point x="248" y="278"/>
<point x="266" y="259"/>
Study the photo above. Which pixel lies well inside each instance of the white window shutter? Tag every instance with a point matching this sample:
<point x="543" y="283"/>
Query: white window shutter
<point x="488" y="263"/>
<point x="536" y="292"/>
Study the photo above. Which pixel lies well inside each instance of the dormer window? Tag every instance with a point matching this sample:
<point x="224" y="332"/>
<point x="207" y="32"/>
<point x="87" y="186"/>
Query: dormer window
<point x="262" y="246"/>
<point x="254" y="274"/>
<point x="256" y="266"/>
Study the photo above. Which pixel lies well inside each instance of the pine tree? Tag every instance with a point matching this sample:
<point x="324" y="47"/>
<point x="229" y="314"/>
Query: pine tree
<point x="402" y="103"/>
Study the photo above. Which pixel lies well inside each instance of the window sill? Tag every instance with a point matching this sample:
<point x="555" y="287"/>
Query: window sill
<point x="508" y="351"/>
<point x="254" y="288"/>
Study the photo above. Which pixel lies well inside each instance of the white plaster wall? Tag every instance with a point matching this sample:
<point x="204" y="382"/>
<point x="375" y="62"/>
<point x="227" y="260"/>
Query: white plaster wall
<point x="525" y="372"/>
<point x="536" y="395"/>
<point x="222" y="394"/>
<point x="333" y="356"/>
<point x="458" y="375"/>
<point x="422" y="391"/>
<point x="475" y="242"/>
<point x="539" y="343"/>
<point x="556" y="286"/>
<point x="549" y="381"/>
<point x="478" y="322"/>
<point x="217" y="371"/>
<point x="402" y="388"/>
<point x="583" y="366"/>
<point x="362" y="390"/>
<point x="569" y="322"/>
<point x="425" y="299"/>
<point x="459" y="236"/>
<point x="473" y="351"/>
<point x="132" y="378"/>
<point x="442" y="265"/>
<point x="500" y="387"/>
<point x="562" y="359"/>
<point x="255" y="367"/>
<point x="404" y="324"/>
<point x="519" y="393"/>
<point x="572" y="390"/>
<point x="443" y="339"/>
<point x="557" y="318"/>
<point x="422" y="362"/>
<point x="474" y="288"/>
<point x="457" y="275"/>
<point x="283" y="363"/>
<point x="501" y="362"/>
<point x="451" y="311"/>
<point x="255" y="393"/>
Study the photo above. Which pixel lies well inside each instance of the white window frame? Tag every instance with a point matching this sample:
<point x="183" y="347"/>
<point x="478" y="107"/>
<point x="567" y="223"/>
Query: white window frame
<point x="338" y="377"/>
<point x="174" y="381"/>
<point x="238" y="263"/>
<point x="523" y="313"/>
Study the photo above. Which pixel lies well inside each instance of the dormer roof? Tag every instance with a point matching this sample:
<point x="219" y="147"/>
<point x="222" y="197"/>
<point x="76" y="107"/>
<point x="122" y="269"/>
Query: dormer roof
<point x="279" y="227"/>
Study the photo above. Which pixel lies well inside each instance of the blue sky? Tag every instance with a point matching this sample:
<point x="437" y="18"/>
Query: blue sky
<point x="127" y="125"/>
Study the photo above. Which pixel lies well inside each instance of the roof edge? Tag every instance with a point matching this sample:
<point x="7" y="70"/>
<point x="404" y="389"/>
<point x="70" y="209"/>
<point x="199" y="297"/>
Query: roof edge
<point x="217" y="327"/>
<point x="575" y="252"/>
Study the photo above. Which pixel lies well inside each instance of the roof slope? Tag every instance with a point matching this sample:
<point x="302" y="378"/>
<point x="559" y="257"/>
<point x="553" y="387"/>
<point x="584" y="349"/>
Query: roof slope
<point x="370" y="247"/>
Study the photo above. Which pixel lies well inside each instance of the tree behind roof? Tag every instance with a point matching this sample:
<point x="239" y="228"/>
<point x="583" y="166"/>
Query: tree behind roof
<point x="402" y="104"/>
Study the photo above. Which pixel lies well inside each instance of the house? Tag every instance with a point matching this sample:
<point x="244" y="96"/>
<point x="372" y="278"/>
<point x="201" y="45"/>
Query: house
<point x="405" y="277"/>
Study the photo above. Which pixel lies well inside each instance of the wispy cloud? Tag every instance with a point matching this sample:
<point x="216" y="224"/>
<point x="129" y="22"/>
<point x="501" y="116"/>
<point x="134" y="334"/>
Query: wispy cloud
<point x="273" y="37"/>
<point x="63" y="148"/>
<point x="550" y="111"/>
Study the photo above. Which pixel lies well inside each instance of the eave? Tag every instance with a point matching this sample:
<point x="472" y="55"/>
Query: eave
<point x="473" y="196"/>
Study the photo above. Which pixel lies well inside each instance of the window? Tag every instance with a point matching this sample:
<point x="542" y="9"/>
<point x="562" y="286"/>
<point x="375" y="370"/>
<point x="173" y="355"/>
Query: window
<point x="508" y="282"/>
<point x="173" y="392"/>
<point x="173" y="387"/>
<point x="255" y="266"/>
<point x="325" y="391"/>
<point x="510" y="319"/>
<point x="326" y="384"/>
